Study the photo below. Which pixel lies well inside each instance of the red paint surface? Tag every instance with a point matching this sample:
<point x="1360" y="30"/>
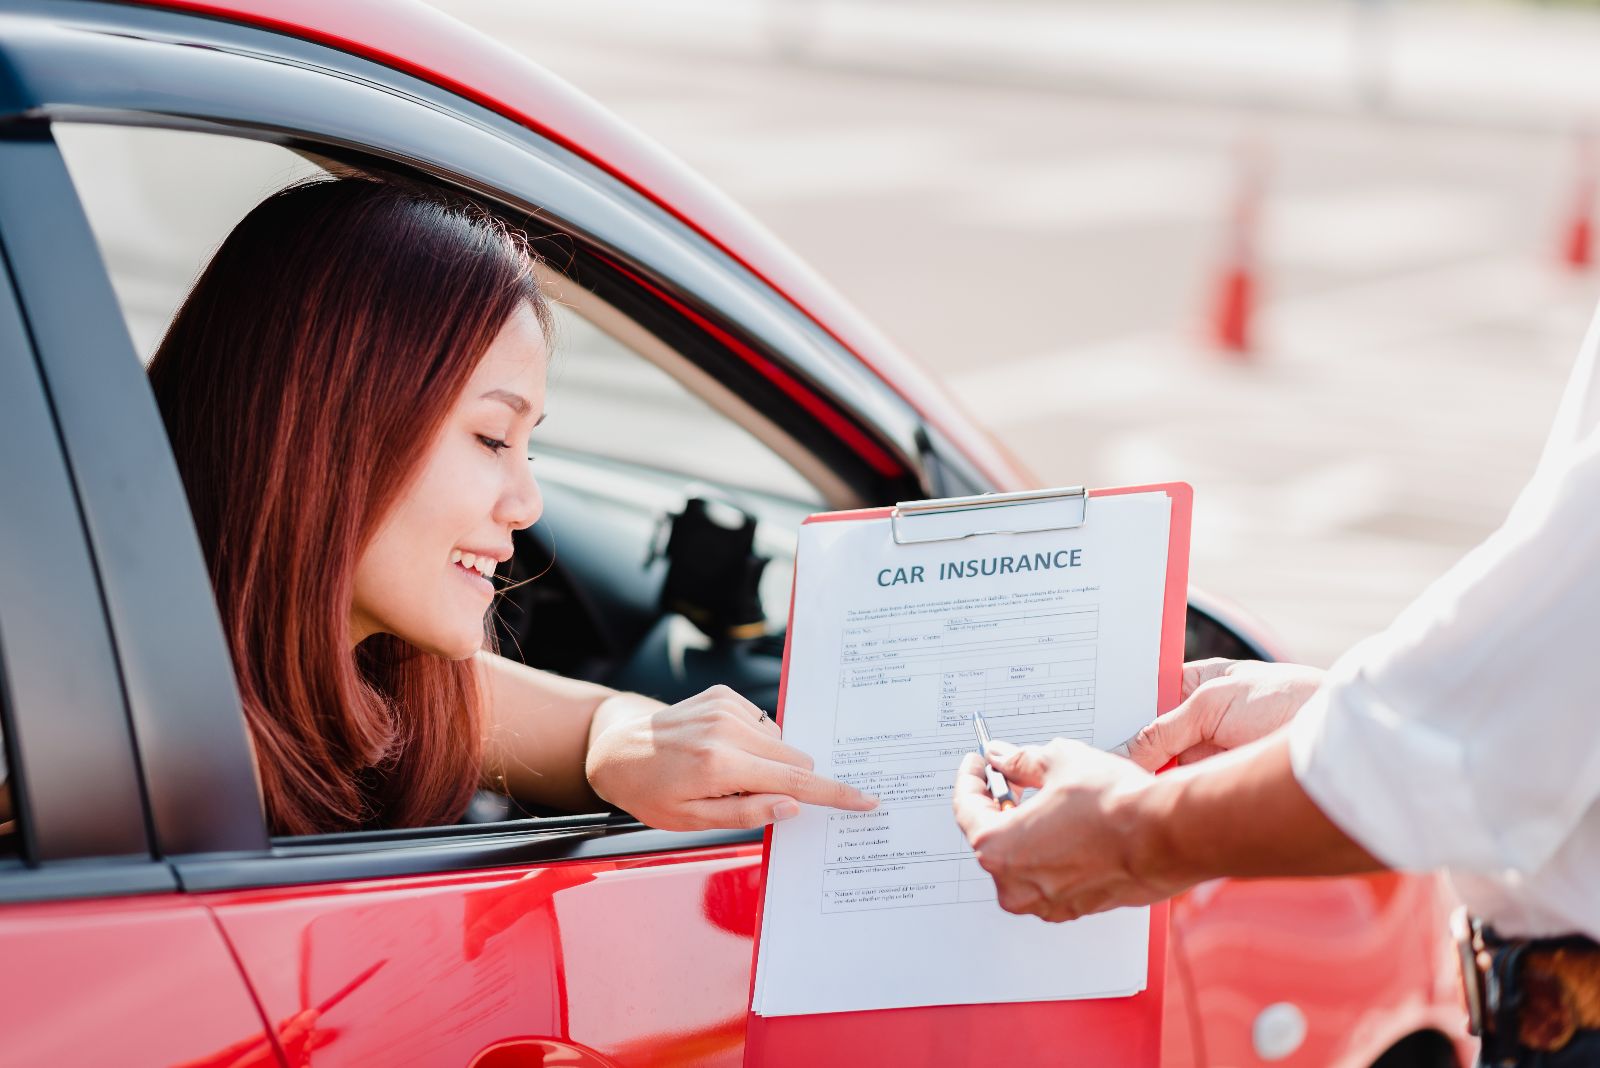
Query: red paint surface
<point x="122" y="982"/>
<point x="647" y="962"/>
<point x="626" y="963"/>
<point x="1362" y="957"/>
<point x="1182" y="1040"/>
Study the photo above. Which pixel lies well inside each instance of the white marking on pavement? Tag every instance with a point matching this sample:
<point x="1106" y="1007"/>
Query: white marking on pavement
<point x="1378" y="229"/>
<point x="1100" y="192"/>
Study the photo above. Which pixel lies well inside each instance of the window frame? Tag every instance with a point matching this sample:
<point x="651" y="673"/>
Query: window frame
<point x="714" y="397"/>
<point x="73" y="771"/>
<point x="188" y="724"/>
<point x="207" y="820"/>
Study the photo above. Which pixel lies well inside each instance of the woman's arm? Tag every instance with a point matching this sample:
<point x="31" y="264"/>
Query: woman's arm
<point x="711" y="761"/>
<point x="537" y="729"/>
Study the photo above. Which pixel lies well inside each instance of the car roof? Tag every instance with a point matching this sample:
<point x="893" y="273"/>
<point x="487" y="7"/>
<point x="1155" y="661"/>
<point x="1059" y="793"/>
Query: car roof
<point x="421" y="41"/>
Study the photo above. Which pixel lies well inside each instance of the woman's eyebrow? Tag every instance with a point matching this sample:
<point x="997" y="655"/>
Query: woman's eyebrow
<point x="514" y="401"/>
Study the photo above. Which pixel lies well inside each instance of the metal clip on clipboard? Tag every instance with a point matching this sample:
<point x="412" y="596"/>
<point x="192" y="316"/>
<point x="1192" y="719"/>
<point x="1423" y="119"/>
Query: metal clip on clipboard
<point x="954" y="518"/>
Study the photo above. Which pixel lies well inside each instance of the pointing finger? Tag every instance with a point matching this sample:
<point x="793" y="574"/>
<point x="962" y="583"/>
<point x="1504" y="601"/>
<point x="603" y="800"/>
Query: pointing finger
<point x="748" y="810"/>
<point x="765" y="741"/>
<point x="816" y="789"/>
<point x="753" y="774"/>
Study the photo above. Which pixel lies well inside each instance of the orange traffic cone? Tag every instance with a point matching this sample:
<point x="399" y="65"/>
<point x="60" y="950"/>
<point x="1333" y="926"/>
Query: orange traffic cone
<point x="1235" y="302"/>
<point x="1577" y="251"/>
<point x="1235" y="295"/>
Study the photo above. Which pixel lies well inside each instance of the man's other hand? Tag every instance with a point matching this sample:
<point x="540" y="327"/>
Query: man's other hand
<point x="1226" y="704"/>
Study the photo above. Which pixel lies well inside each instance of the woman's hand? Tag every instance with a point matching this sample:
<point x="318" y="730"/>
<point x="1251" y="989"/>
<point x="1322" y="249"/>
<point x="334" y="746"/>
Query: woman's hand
<point x="1226" y="704"/>
<point x="712" y="761"/>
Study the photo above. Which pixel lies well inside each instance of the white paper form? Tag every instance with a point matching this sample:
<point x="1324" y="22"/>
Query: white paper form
<point x="1050" y="634"/>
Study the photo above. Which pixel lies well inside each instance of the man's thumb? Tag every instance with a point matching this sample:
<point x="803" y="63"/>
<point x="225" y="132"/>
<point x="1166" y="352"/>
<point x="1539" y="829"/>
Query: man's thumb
<point x="1165" y="737"/>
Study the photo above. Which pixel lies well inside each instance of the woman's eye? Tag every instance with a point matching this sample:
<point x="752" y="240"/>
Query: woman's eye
<point x="492" y="444"/>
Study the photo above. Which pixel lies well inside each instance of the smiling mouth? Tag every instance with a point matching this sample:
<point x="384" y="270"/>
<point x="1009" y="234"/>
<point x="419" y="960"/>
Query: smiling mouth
<point x="478" y="565"/>
<point x="472" y="575"/>
<point x="478" y="570"/>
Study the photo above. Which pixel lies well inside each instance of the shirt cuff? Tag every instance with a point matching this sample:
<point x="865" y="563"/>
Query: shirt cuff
<point x="1398" y="788"/>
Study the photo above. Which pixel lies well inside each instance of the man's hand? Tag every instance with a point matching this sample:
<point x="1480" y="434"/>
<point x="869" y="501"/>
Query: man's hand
<point x="711" y="761"/>
<point x="1227" y="703"/>
<point x="1062" y="853"/>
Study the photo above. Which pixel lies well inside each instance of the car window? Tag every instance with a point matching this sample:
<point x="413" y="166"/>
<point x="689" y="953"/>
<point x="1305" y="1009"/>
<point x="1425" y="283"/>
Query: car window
<point x="607" y="400"/>
<point x="621" y="401"/>
<point x="161" y="201"/>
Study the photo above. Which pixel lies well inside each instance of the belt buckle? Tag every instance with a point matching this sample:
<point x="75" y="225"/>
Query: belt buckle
<point x="1469" y="941"/>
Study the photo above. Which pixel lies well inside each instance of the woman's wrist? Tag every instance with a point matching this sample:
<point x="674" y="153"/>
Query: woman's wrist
<point x="617" y="707"/>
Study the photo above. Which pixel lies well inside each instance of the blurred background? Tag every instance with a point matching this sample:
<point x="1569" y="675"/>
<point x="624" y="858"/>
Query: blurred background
<point x="1326" y="260"/>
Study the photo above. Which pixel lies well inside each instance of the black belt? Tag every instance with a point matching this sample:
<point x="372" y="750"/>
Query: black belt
<point x="1529" y="993"/>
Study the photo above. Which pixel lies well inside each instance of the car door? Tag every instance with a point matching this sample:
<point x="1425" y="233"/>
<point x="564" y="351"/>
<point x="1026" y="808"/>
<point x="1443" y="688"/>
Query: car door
<point x="104" y="961"/>
<point x="579" y="939"/>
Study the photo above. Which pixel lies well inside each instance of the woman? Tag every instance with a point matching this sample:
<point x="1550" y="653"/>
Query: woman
<point x="349" y="390"/>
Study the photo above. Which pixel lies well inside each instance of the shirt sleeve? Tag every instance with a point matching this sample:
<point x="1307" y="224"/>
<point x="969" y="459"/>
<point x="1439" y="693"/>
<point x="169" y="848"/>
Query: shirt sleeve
<point x="1467" y="734"/>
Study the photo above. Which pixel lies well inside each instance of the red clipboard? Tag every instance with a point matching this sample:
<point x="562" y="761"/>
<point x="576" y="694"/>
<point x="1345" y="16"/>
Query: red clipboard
<point x="1103" y="1033"/>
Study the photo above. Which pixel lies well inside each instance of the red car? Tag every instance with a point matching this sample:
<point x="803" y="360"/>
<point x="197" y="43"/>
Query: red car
<point x="147" y="916"/>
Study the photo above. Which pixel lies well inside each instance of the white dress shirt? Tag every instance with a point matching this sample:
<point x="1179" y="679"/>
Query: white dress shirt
<point x="1466" y="736"/>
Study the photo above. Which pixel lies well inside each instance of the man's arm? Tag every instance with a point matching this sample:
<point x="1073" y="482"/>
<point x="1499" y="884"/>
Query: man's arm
<point x="1241" y="814"/>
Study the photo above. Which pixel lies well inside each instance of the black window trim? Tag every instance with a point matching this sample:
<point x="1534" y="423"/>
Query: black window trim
<point x="70" y="758"/>
<point x="90" y="878"/>
<point x="199" y="778"/>
<point x="381" y="854"/>
<point x="214" y="853"/>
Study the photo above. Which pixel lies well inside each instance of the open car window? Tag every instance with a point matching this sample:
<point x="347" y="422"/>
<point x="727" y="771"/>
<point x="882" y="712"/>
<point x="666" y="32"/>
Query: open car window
<point x="161" y="201"/>
<point x="635" y="427"/>
<point x="611" y="402"/>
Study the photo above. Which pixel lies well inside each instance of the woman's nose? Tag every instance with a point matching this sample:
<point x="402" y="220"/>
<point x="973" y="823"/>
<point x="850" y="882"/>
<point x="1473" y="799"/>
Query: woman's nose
<point x="522" y="503"/>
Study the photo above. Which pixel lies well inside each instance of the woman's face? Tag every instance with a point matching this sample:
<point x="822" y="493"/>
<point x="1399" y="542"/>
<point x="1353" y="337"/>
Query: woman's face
<point x="422" y="577"/>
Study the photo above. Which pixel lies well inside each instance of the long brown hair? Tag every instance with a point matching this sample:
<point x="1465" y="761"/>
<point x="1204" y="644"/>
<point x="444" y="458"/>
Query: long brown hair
<point x="301" y="383"/>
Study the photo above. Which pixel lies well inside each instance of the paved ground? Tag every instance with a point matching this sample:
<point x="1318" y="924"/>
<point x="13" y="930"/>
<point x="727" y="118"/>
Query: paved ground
<point x="1050" y="252"/>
